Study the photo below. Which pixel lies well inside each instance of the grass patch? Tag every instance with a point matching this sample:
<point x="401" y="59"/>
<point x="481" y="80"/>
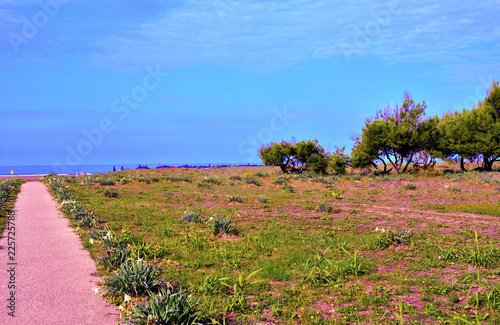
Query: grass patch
<point x="492" y="209"/>
<point x="296" y="243"/>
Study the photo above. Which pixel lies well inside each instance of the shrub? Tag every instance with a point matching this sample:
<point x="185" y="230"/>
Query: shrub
<point x="325" y="208"/>
<point x="192" y="217"/>
<point x="166" y="307"/>
<point x="279" y="181"/>
<point x="106" y="182"/>
<point x="113" y="258"/>
<point x="454" y="188"/>
<point x="293" y="157"/>
<point x="222" y="225"/>
<point x="253" y="181"/>
<point x="205" y="185"/>
<point x="397" y="135"/>
<point x="410" y="187"/>
<point x="133" y="278"/>
<point x="386" y="238"/>
<point x="235" y="198"/>
<point x="288" y="188"/>
<point x="111" y="193"/>
<point x="262" y="199"/>
<point x="212" y="180"/>
<point x="187" y="179"/>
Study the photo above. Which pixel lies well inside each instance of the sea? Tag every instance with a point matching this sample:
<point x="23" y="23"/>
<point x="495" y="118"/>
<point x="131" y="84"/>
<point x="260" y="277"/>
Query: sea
<point x="88" y="169"/>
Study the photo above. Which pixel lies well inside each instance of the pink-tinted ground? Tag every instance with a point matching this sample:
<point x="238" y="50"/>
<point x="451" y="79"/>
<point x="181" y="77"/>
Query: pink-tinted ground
<point x="53" y="274"/>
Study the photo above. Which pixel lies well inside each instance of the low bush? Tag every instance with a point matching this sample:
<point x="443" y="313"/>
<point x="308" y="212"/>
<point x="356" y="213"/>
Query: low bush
<point x="135" y="278"/>
<point x="111" y="193"/>
<point x="235" y="198"/>
<point x="166" y="307"/>
<point x="222" y="225"/>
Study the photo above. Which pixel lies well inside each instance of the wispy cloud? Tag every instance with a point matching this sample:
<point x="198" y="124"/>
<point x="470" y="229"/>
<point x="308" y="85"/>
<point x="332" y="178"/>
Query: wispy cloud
<point x="271" y="33"/>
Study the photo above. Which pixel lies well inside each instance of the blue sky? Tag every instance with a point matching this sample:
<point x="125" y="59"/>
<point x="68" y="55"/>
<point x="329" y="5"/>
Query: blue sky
<point x="117" y="82"/>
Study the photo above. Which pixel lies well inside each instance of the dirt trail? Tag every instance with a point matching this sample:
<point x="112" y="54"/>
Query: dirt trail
<point x="53" y="273"/>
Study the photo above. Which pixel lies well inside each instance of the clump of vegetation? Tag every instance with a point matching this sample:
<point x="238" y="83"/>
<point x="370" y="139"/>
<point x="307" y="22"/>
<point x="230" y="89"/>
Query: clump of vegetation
<point x="192" y="217"/>
<point x="262" y="199"/>
<point x="297" y="157"/>
<point x="111" y="193"/>
<point x="222" y="225"/>
<point x="325" y="208"/>
<point x="388" y="237"/>
<point x="410" y="186"/>
<point x="454" y="188"/>
<point x="133" y="278"/>
<point x="236" y="198"/>
<point x="106" y="182"/>
<point x="174" y="179"/>
<point x="212" y="180"/>
<point x="253" y="181"/>
<point x="205" y="185"/>
<point x="166" y="307"/>
<point x="280" y="181"/>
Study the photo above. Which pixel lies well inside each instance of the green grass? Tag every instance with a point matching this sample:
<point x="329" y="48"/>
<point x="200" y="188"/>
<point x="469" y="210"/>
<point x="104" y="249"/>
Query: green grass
<point x="9" y="189"/>
<point x="492" y="209"/>
<point x="295" y="249"/>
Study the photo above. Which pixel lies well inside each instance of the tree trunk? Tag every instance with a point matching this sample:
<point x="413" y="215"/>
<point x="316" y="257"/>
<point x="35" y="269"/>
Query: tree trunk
<point x="462" y="166"/>
<point x="488" y="164"/>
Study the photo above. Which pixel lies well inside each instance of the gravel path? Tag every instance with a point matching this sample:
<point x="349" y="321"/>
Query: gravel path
<point x="53" y="275"/>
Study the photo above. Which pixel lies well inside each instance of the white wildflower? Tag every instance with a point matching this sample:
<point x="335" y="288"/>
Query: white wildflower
<point x="96" y="290"/>
<point x="91" y="241"/>
<point x="127" y="298"/>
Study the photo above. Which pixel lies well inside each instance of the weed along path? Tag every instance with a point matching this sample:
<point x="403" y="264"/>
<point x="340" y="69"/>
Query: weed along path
<point x="49" y="280"/>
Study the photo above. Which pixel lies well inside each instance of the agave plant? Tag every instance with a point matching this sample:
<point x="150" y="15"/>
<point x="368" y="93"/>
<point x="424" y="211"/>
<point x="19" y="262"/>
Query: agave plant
<point x="134" y="278"/>
<point x="166" y="308"/>
<point x="221" y="225"/>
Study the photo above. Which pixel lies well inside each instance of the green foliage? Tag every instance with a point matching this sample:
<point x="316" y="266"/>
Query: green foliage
<point x="253" y="181"/>
<point x="262" y="199"/>
<point x="278" y="154"/>
<point x="166" y="308"/>
<point x="294" y="157"/>
<point x="106" y="182"/>
<point x="474" y="134"/>
<point x="113" y="258"/>
<point x="133" y="278"/>
<point x="325" y="208"/>
<point x="337" y="162"/>
<point x="395" y="136"/>
<point x="312" y="156"/>
<point x="454" y="188"/>
<point x="388" y="237"/>
<point x="222" y="225"/>
<point x="236" y="198"/>
<point x="410" y="187"/>
<point x="111" y="193"/>
<point x="192" y="217"/>
<point x="171" y="178"/>
<point x="212" y="180"/>
<point x="489" y="299"/>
